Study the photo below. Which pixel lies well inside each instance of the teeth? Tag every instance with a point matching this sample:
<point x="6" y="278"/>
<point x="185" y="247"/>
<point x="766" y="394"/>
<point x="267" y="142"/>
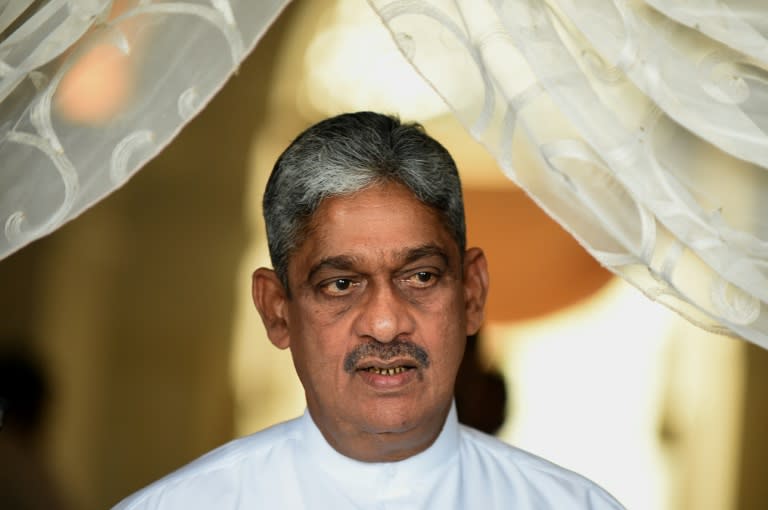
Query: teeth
<point x="387" y="371"/>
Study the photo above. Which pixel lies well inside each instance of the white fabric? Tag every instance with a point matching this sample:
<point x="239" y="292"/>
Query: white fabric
<point x="644" y="135"/>
<point x="88" y="94"/>
<point x="291" y="466"/>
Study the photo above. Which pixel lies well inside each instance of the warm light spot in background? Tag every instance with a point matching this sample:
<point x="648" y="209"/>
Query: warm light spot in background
<point x="516" y="233"/>
<point x="588" y="388"/>
<point x="100" y="82"/>
<point x="598" y="385"/>
<point x="353" y="64"/>
<point x="96" y="87"/>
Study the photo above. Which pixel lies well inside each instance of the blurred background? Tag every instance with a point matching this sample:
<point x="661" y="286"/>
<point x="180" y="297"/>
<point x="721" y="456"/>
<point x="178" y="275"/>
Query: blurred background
<point x="129" y="345"/>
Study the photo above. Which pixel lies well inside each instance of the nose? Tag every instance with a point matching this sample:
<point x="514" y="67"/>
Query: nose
<point x="384" y="314"/>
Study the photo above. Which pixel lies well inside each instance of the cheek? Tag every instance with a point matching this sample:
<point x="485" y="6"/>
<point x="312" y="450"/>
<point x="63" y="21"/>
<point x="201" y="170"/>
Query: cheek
<point x="320" y="314"/>
<point x="447" y="338"/>
<point x="318" y="344"/>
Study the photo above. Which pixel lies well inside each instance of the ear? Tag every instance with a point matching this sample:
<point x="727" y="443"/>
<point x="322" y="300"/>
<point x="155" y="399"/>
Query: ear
<point x="270" y="300"/>
<point x="475" y="288"/>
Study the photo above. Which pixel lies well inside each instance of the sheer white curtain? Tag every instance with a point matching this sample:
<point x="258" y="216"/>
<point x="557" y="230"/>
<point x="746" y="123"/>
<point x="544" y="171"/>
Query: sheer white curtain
<point x="90" y="90"/>
<point x="639" y="125"/>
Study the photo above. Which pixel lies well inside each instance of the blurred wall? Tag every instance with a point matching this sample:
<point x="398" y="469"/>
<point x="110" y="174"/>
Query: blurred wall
<point x="753" y="488"/>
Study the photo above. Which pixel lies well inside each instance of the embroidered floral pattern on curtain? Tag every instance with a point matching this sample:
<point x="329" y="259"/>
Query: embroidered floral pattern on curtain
<point x="90" y="90"/>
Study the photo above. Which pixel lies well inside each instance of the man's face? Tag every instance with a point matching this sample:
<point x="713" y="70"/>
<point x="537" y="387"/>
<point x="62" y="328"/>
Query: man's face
<point x="379" y="316"/>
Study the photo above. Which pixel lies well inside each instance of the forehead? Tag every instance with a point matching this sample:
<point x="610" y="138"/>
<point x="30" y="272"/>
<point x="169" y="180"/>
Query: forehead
<point x="382" y="222"/>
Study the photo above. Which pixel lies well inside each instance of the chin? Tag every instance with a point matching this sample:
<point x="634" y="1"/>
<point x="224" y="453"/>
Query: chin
<point x="396" y="419"/>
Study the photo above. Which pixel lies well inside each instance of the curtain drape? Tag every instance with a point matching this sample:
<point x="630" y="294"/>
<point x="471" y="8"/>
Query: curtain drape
<point x="90" y="90"/>
<point x="639" y="125"/>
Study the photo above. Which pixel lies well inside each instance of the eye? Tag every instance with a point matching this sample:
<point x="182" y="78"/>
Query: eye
<point x="421" y="279"/>
<point x="424" y="276"/>
<point x="341" y="284"/>
<point x="338" y="286"/>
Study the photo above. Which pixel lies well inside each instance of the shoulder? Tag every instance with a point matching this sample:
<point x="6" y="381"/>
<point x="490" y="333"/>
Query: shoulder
<point x="542" y="483"/>
<point x="218" y="472"/>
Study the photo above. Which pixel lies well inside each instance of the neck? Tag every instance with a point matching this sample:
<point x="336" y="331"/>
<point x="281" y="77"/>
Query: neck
<point x="366" y="445"/>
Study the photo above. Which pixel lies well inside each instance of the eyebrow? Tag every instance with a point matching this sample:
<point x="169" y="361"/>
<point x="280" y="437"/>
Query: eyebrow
<point x="409" y="255"/>
<point x="342" y="262"/>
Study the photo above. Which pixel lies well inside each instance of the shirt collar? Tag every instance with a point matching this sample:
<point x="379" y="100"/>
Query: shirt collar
<point x="444" y="448"/>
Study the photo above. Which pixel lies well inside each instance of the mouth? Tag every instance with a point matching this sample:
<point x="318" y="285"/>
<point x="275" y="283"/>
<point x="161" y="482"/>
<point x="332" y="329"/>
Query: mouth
<point x="388" y="376"/>
<point x="387" y="370"/>
<point x="389" y="359"/>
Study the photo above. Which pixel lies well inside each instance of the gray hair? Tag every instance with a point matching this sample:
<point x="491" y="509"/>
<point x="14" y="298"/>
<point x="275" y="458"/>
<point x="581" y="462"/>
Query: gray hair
<point x="345" y="154"/>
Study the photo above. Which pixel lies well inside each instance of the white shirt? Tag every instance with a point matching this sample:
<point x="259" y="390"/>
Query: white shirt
<point x="291" y="466"/>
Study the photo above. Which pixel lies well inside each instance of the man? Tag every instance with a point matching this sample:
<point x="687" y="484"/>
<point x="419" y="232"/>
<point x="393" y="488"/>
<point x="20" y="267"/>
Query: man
<point x="374" y="292"/>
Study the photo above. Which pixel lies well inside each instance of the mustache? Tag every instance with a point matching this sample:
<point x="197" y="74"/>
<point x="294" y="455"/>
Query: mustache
<point x="385" y="352"/>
